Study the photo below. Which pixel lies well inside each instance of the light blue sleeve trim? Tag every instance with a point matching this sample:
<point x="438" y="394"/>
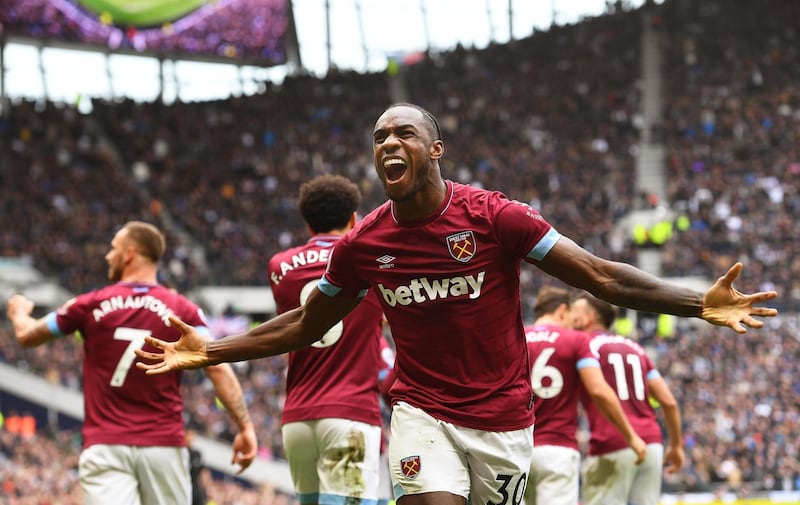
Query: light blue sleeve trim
<point x="52" y="325"/>
<point x="328" y="288"/>
<point x="587" y="363"/>
<point x="331" y="290"/>
<point x="653" y="374"/>
<point x="547" y="242"/>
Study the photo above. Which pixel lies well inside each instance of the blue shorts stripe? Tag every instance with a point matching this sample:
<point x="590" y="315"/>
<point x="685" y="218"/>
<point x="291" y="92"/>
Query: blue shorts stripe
<point x="304" y="498"/>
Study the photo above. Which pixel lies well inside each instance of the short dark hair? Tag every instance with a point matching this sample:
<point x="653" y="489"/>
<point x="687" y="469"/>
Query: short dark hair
<point x="327" y="202"/>
<point x="549" y="299"/>
<point x="433" y="124"/>
<point x="604" y="310"/>
<point x="148" y="240"/>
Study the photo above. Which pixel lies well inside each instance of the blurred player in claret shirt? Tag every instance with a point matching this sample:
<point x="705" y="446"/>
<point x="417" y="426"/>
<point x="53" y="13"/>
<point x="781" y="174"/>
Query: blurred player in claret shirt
<point x="133" y="437"/>
<point x="632" y="376"/>
<point x="444" y="259"/>
<point x="561" y="362"/>
<point x="332" y="424"/>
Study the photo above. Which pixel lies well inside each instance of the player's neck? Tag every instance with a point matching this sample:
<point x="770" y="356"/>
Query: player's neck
<point x="331" y="233"/>
<point x="140" y="275"/>
<point x="549" y="319"/>
<point x="594" y="327"/>
<point x="424" y="204"/>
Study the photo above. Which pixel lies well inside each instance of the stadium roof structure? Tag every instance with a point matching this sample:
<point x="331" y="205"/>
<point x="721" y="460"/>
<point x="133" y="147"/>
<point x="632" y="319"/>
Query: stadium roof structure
<point x="315" y="35"/>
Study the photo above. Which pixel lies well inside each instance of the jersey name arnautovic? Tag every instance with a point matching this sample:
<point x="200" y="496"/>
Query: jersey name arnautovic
<point x="422" y="290"/>
<point x="302" y="258"/>
<point x="145" y="302"/>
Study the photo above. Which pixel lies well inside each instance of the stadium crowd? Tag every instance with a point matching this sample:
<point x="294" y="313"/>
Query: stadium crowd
<point x="739" y="402"/>
<point x="560" y="130"/>
<point x="732" y="132"/>
<point x="243" y="30"/>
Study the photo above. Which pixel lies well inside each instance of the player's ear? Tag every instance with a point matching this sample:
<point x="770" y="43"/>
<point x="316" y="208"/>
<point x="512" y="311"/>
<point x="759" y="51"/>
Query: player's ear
<point x="130" y="252"/>
<point x="437" y="149"/>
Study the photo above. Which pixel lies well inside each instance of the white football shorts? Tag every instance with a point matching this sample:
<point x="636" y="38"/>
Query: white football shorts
<point x="131" y="475"/>
<point x="616" y="479"/>
<point x="333" y="459"/>
<point x="554" y="477"/>
<point x="428" y="455"/>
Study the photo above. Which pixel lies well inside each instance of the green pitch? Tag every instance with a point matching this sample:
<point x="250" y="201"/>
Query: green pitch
<point x="142" y="12"/>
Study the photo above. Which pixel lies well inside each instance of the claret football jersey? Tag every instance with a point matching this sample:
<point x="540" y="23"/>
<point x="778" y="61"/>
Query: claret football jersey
<point x="123" y="405"/>
<point x="449" y="286"/>
<point x="337" y="376"/>
<point x="627" y="369"/>
<point x="556" y="355"/>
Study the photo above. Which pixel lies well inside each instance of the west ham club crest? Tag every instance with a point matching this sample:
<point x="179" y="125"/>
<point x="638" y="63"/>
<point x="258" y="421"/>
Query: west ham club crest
<point x="461" y="245"/>
<point x="410" y="466"/>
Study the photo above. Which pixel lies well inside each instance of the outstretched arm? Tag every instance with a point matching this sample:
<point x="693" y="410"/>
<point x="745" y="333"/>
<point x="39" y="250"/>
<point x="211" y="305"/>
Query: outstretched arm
<point x="603" y="396"/>
<point x="229" y="392"/>
<point x="291" y="330"/>
<point x="627" y="286"/>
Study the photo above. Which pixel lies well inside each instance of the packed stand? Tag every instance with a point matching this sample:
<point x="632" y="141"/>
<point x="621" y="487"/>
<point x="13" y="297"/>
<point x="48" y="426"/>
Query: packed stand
<point x="246" y="30"/>
<point x="738" y="396"/>
<point x="64" y="192"/>
<point x="732" y="132"/>
<point x="228" y="171"/>
<point x="39" y="470"/>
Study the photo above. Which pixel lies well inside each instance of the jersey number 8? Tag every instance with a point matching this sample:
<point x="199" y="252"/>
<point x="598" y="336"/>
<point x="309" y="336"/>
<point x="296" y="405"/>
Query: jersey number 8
<point x="331" y="336"/>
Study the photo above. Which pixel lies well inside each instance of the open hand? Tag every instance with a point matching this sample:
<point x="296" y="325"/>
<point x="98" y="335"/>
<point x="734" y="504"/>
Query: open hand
<point x="187" y="352"/>
<point x="725" y="306"/>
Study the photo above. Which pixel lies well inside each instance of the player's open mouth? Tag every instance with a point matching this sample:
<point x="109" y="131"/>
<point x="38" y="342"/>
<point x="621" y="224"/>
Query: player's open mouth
<point x="394" y="168"/>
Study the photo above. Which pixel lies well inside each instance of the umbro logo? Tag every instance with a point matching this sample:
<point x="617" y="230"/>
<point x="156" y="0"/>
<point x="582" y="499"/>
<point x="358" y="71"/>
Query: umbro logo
<point x="385" y="261"/>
